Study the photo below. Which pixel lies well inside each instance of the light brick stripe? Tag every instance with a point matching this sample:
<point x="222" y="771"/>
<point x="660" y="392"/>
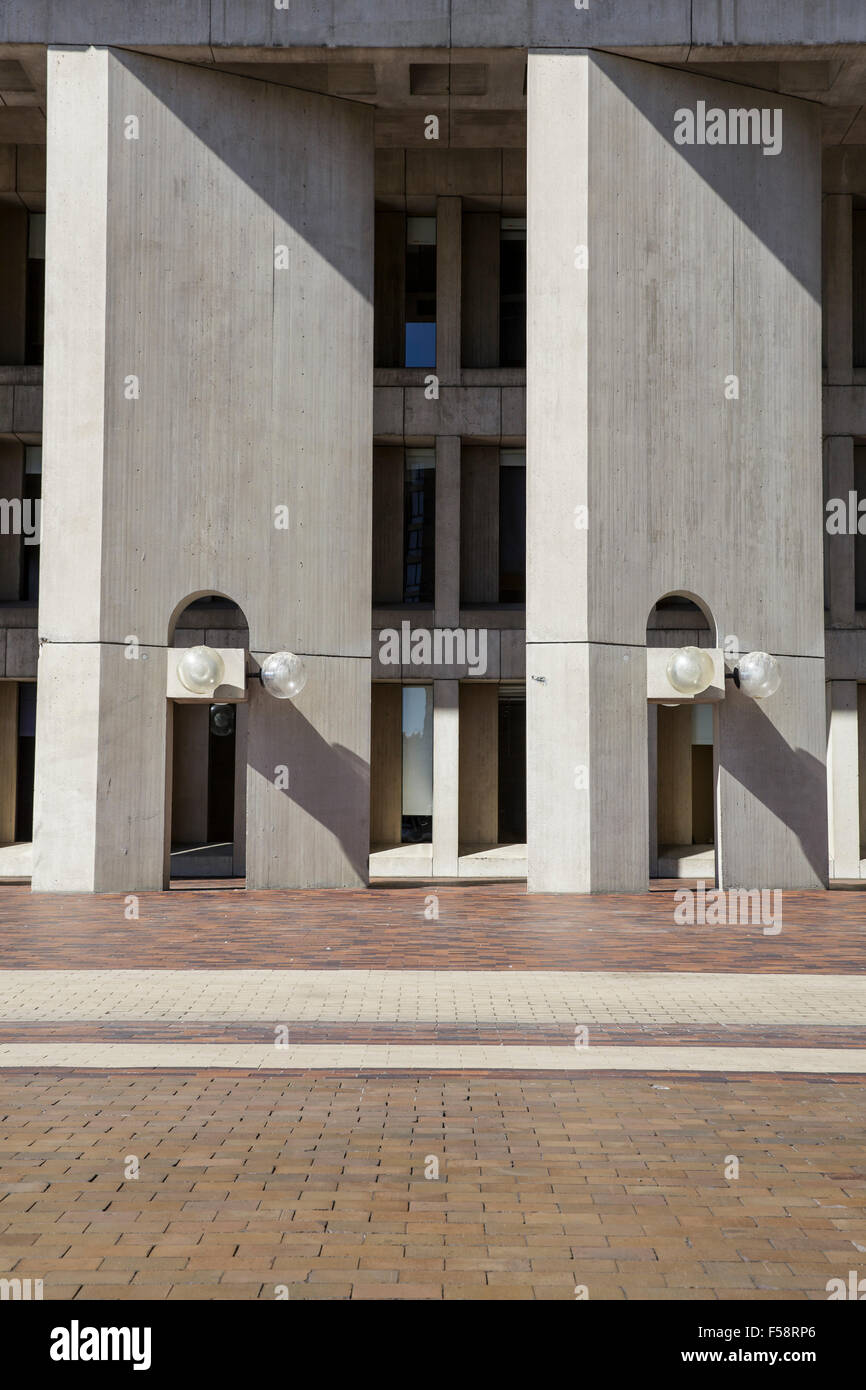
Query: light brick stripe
<point x="446" y="996"/>
<point x="429" y="1058"/>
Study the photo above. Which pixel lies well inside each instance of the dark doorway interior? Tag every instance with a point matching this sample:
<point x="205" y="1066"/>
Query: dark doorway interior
<point x="203" y="791"/>
<point x="221" y="773"/>
<point x="512" y="765"/>
<point x="26" y="761"/>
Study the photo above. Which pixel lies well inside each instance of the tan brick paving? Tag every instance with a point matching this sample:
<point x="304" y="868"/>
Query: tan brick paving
<point x="317" y="1184"/>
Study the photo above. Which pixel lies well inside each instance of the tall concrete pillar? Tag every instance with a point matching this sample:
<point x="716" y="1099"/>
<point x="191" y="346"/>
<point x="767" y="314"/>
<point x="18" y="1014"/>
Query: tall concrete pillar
<point x="203" y="433"/>
<point x="446" y="777"/>
<point x="843" y="780"/>
<point x="673" y="445"/>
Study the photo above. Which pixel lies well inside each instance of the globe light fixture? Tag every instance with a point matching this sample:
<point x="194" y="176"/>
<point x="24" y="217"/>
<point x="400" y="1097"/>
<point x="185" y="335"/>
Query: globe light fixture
<point x="690" y="670"/>
<point x="758" y="675"/>
<point x="283" y="675"/>
<point x="200" y="670"/>
<point x="222" y="720"/>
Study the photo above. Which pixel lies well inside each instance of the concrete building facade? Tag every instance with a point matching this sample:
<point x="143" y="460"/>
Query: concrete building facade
<point x="481" y="360"/>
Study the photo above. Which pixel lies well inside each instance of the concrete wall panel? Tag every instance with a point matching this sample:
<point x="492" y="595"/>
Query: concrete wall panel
<point x="313" y="832"/>
<point x="772" y="786"/>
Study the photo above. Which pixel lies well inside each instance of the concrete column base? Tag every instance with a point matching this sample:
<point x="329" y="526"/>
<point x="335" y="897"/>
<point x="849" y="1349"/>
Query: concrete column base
<point x="100" y="787"/>
<point x="586" y="755"/>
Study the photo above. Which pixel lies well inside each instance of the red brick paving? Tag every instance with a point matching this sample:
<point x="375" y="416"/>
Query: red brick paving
<point x="247" y="1183"/>
<point x="489" y="927"/>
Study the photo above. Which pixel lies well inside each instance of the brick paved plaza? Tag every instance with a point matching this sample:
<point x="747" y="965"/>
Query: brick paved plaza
<point x="247" y="1183"/>
<point x="285" y="1072"/>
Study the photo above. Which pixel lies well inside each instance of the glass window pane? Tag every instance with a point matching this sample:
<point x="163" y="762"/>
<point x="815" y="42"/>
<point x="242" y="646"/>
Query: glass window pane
<point x="420" y="317"/>
<point x="420" y="345"/>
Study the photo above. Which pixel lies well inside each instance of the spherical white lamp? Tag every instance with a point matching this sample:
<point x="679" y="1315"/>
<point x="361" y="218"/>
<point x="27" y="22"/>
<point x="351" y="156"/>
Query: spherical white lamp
<point x="690" y="670"/>
<point x="283" y="675"/>
<point x="759" y="675"/>
<point x="200" y="670"/>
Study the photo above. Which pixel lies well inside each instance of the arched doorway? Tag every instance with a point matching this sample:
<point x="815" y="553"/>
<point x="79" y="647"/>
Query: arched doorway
<point x="206" y="800"/>
<point x="682" y="754"/>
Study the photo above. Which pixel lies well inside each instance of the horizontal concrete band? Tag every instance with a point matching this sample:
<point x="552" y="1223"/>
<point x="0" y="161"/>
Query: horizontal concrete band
<point x="440" y="996"/>
<point x="425" y="1058"/>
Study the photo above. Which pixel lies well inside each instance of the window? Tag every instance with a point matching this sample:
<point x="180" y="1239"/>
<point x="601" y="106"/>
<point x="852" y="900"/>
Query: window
<point x="512" y="292"/>
<point x="512" y="526"/>
<point x="36" y="289"/>
<point x="419" y="515"/>
<point x="417" y="731"/>
<point x="420" y="316"/>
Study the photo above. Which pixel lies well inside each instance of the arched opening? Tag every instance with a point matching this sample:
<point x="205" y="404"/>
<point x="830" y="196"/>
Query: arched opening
<point x="682" y="754"/>
<point x="207" y="742"/>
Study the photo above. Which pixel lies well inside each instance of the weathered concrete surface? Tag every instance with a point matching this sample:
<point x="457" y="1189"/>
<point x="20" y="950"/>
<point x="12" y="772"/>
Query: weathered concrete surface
<point x="586" y="767"/>
<point x="686" y="489"/>
<point x="230" y="25"/>
<point x="308" y="780"/>
<point x="191" y="391"/>
<point x="772" y="785"/>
